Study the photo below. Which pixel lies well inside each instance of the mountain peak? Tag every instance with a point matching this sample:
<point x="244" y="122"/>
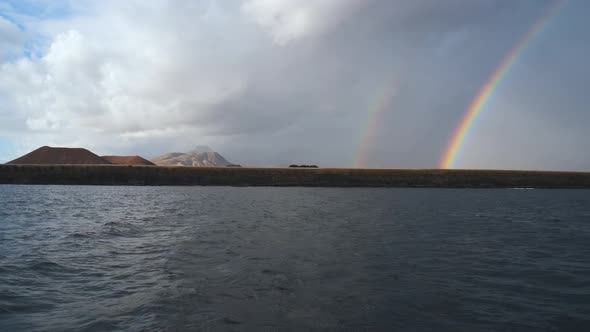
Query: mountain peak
<point x="195" y="158"/>
<point x="201" y="148"/>
<point x="59" y="156"/>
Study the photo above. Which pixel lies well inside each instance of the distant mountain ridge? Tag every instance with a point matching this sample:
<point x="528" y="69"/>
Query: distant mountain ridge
<point x="127" y="160"/>
<point x="47" y="155"/>
<point x="201" y="156"/>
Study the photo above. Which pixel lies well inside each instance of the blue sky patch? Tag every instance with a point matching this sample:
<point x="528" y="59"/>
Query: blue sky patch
<point x="7" y="150"/>
<point x="37" y="9"/>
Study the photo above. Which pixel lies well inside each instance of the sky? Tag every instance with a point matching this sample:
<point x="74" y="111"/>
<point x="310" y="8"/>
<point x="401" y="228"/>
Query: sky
<point x="337" y="83"/>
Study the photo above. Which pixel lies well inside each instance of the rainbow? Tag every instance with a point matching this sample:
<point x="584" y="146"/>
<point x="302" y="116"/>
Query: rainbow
<point x="483" y="96"/>
<point x="382" y="104"/>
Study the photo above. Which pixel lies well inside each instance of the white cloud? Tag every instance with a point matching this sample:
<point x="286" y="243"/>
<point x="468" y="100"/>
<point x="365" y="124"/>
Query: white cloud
<point x="120" y="73"/>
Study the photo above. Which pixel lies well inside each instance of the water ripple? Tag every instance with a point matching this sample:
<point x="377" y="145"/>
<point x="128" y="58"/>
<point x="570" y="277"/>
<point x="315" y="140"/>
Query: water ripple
<point x="214" y="258"/>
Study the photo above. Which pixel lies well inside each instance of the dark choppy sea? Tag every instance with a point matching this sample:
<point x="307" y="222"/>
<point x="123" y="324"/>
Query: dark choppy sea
<point x="219" y="258"/>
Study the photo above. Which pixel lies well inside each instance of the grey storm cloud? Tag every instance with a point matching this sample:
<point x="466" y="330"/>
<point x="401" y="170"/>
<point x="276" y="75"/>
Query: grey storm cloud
<point x="275" y="82"/>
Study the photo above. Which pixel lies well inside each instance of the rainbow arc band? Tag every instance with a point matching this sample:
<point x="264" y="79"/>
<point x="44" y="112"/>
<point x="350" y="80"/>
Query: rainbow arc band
<point x="382" y="104"/>
<point x="478" y="103"/>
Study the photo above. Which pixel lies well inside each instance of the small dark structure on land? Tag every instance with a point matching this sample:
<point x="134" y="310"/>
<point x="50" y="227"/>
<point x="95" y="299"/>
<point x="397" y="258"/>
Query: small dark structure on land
<point x="233" y="165"/>
<point x="303" y="166"/>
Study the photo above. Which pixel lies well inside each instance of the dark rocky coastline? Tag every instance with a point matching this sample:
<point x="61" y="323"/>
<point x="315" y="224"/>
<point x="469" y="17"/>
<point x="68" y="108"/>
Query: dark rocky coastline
<point x="309" y="177"/>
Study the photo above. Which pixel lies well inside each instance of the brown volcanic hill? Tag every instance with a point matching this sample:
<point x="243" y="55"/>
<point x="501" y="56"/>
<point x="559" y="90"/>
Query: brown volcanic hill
<point x="128" y="160"/>
<point x="47" y="155"/>
<point x="195" y="159"/>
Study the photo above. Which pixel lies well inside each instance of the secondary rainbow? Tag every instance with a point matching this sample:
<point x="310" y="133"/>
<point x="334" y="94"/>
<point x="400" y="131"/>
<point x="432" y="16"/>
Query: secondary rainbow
<point x="483" y="96"/>
<point x="382" y="104"/>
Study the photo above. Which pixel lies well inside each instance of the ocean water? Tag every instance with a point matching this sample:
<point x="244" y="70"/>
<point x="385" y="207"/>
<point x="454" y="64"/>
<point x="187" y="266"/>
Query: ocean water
<point x="263" y="259"/>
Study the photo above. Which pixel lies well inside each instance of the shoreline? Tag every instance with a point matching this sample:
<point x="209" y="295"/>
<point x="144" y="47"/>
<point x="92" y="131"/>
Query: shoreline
<point x="288" y="177"/>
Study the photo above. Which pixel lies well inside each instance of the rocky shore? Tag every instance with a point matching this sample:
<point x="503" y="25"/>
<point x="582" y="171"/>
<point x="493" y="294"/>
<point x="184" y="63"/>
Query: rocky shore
<point x="306" y="177"/>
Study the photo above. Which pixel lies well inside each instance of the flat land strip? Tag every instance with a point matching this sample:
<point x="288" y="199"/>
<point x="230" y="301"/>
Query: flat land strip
<point x="305" y="177"/>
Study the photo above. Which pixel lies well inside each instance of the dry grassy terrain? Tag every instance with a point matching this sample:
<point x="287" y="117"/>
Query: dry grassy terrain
<point x="128" y="160"/>
<point x="320" y="177"/>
